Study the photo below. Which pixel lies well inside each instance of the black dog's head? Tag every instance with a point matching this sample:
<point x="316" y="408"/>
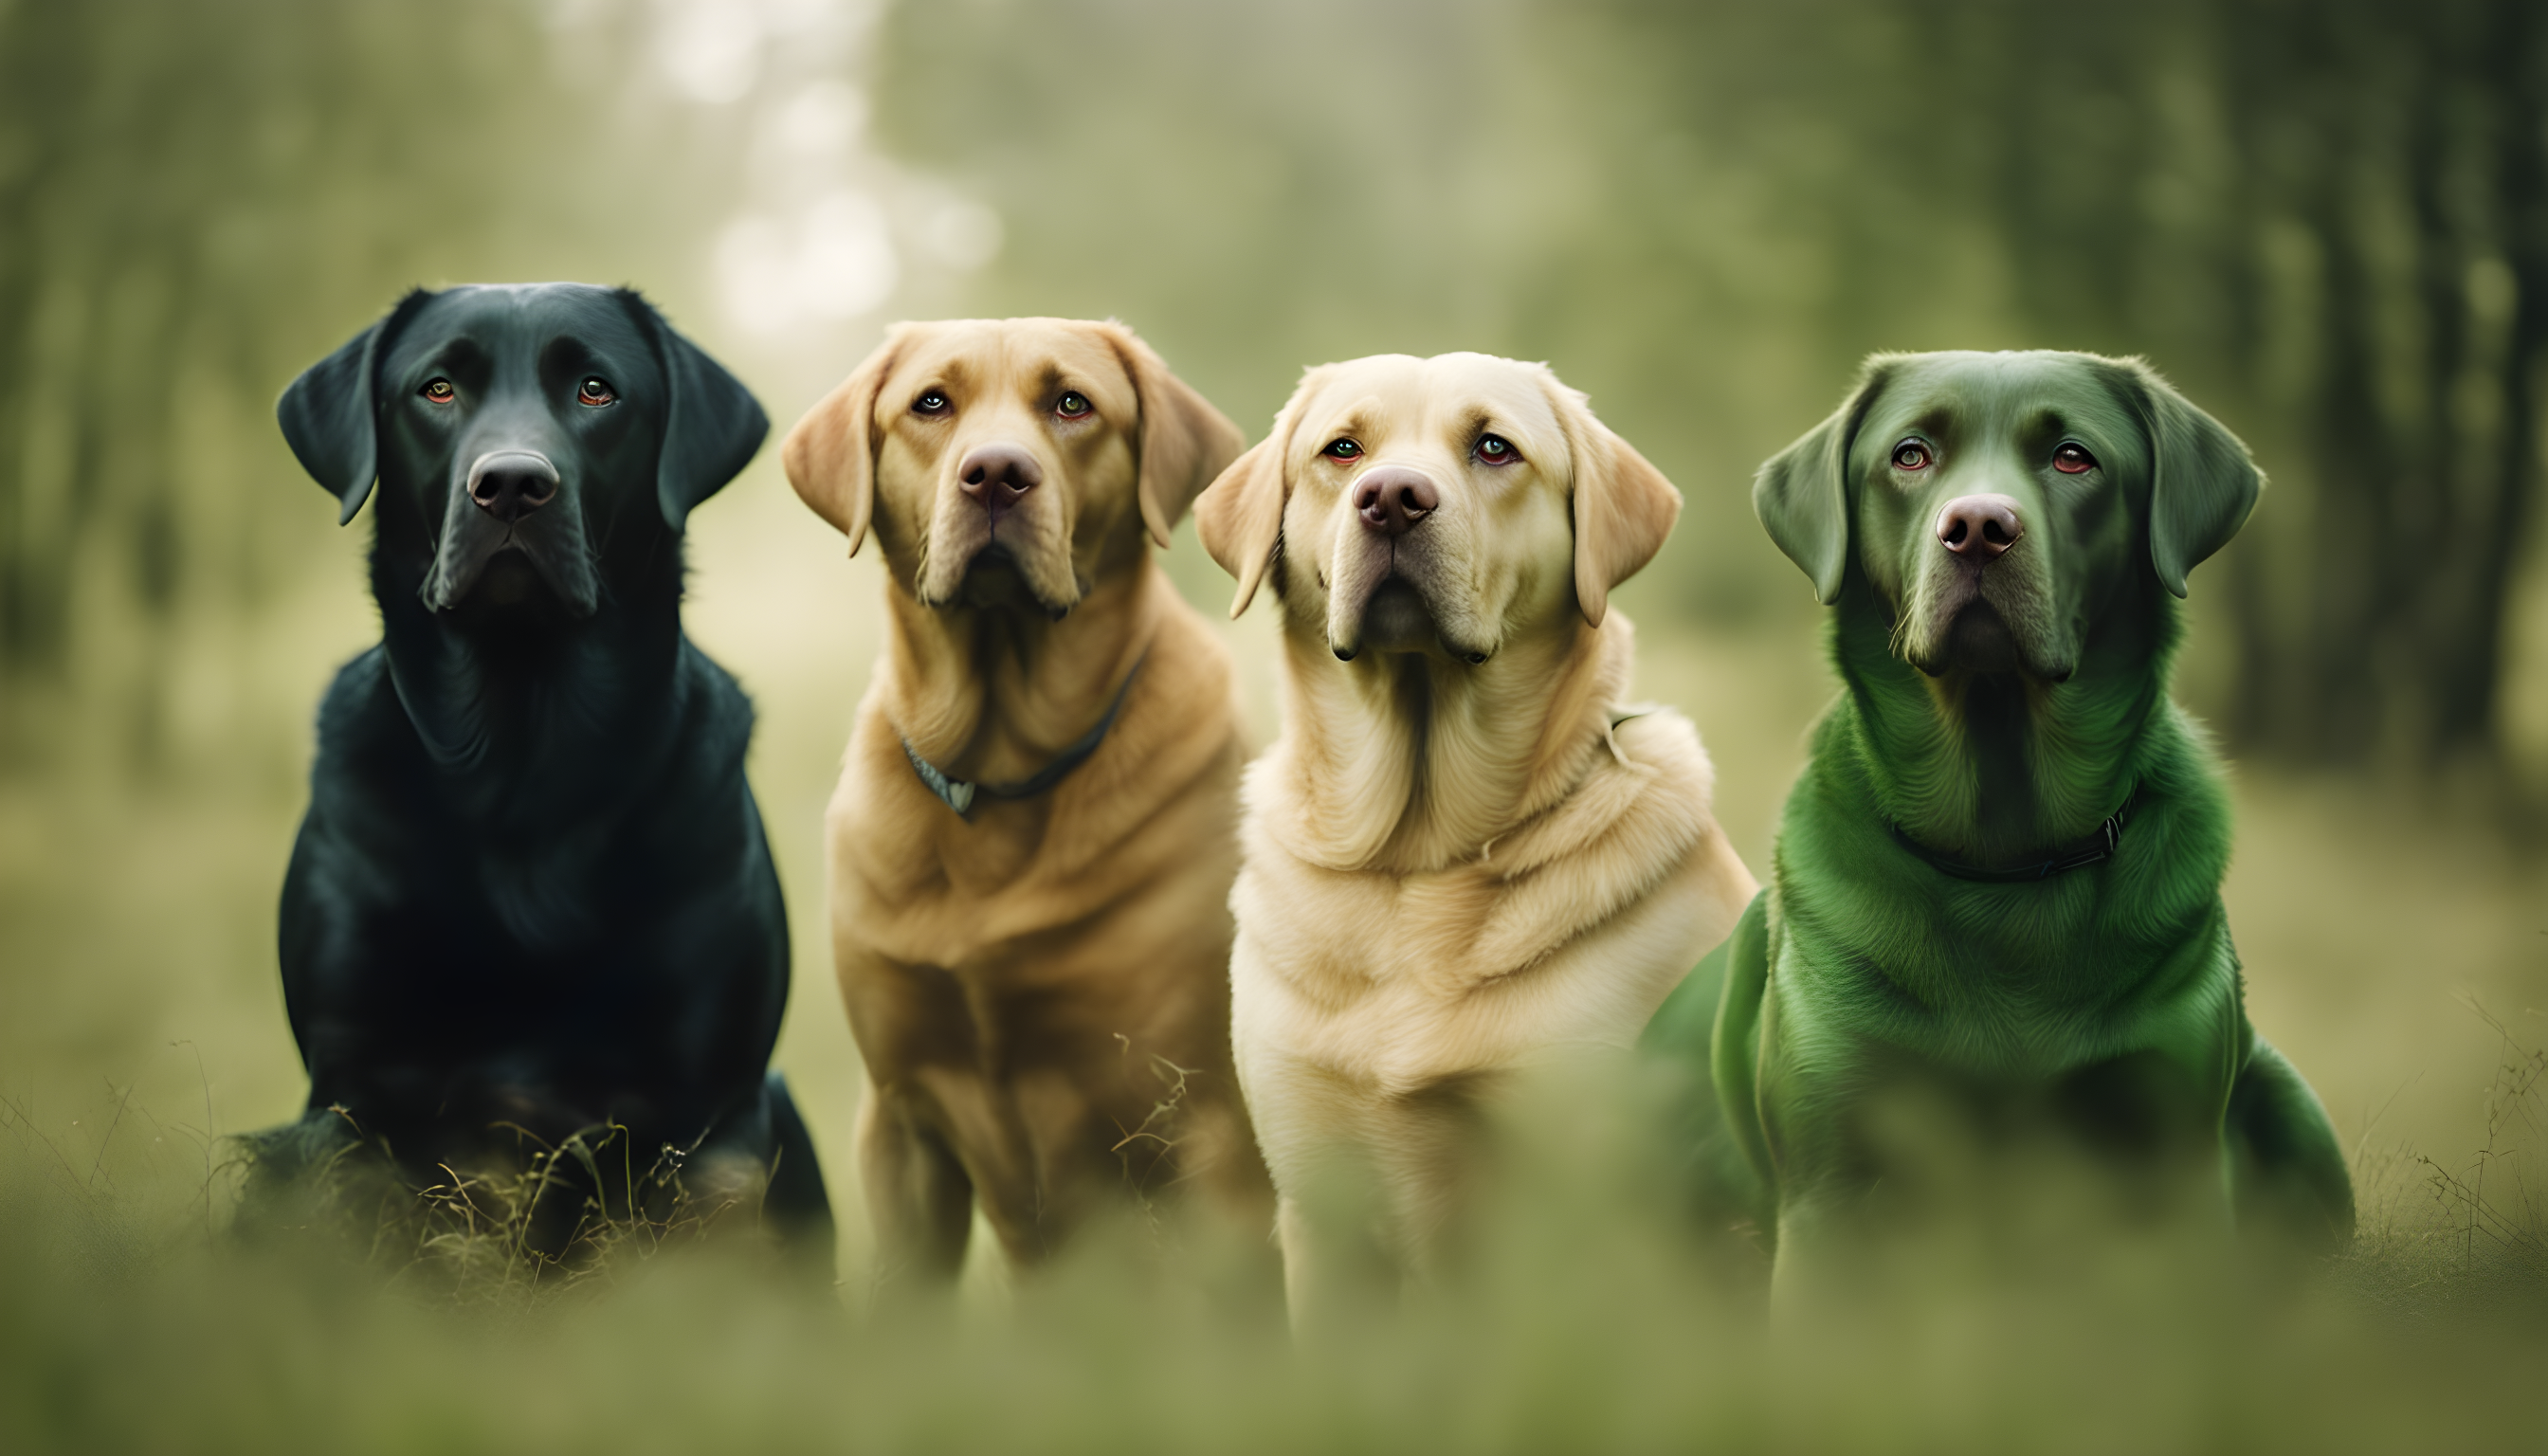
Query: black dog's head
<point x="1996" y="503"/>
<point x="519" y="433"/>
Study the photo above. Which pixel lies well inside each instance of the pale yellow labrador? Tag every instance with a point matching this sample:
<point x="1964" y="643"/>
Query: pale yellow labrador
<point x="1033" y="841"/>
<point x="1463" y="857"/>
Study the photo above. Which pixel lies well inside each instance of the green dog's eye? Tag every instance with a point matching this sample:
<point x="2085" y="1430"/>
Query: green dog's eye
<point x="1911" y="455"/>
<point x="2072" y="458"/>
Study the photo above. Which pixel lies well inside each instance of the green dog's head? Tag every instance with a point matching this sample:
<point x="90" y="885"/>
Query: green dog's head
<point x="1997" y="503"/>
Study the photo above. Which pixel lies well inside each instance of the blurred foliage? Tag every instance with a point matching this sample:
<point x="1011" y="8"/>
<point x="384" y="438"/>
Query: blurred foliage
<point x="2327" y="222"/>
<point x="196" y="201"/>
<point x="2323" y="220"/>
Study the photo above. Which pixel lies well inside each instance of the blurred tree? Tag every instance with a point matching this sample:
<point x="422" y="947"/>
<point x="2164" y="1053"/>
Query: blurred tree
<point x="2330" y="220"/>
<point x="196" y="200"/>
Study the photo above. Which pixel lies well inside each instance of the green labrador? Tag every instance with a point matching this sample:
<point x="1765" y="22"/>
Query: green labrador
<point x="1997" y="885"/>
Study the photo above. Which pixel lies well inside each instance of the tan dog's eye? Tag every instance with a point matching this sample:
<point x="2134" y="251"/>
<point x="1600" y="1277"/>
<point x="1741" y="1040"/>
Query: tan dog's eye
<point x="1911" y="455"/>
<point x="594" y="390"/>
<point x="1072" y="405"/>
<point x="439" y="391"/>
<point x="931" y="401"/>
<point x="2072" y="458"/>
<point x="1496" y="450"/>
<point x="1343" y="448"/>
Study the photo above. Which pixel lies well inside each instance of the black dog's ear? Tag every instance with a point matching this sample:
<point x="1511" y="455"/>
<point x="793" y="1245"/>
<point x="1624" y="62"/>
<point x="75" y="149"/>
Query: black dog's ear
<point x="712" y="425"/>
<point x="330" y="416"/>
<point x="1801" y="494"/>
<point x="2203" y="483"/>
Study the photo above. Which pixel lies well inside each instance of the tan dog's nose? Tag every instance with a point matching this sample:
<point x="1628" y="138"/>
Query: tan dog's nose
<point x="997" y="475"/>
<point x="1979" y="527"/>
<point x="511" y="484"/>
<point x="1393" y="499"/>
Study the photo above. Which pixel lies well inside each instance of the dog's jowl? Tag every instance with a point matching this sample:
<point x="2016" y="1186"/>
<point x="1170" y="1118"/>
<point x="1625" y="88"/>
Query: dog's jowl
<point x="1997" y="889"/>
<point x="531" y="897"/>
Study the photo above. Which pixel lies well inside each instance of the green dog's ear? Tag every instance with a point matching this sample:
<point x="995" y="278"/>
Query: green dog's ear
<point x="2203" y="484"/>
<point x="1801" y="494"/>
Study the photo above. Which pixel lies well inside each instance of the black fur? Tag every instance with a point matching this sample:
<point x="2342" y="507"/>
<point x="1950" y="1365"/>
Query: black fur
<point x="532" y="890"/>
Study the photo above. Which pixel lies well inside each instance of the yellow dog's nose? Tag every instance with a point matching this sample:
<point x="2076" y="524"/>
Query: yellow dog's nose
<point x="1393" y="499"/>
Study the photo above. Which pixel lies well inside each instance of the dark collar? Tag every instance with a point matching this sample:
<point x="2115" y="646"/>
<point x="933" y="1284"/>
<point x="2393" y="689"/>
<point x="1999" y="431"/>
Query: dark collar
<point x="2096" y="849"/>
<point x="961" y="795"/>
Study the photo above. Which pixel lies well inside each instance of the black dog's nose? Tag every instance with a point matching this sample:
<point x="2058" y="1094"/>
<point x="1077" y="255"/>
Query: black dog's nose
<point x="1979" y="527"/>
<point x="1393" y="499"/>
<point x="997" y="475"/>
<point x="511" y="484"/>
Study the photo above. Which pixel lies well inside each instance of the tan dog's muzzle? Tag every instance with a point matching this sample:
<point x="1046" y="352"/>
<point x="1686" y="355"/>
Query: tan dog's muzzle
<point x="998" y="540"/>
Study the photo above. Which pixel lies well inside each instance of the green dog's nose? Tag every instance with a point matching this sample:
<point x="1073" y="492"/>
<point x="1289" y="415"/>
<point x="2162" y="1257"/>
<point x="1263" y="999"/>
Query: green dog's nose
<point x="1979" y="527"/>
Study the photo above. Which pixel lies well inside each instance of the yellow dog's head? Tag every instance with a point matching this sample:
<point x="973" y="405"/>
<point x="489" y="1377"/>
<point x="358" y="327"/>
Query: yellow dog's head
<point x="1440" y="505"/>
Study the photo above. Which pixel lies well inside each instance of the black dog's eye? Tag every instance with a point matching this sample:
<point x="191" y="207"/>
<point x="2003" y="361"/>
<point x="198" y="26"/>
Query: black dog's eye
<point x="1496" y="450"/>
<point x="1911" y="455"/>
<point x="931" y="401"/>
<point x="594" y="390"/>
<point x="2072" y="458"/>
<point x="1072" y="405"/>
<point x="1342" y="448"/>
<point x="439" y="391"/>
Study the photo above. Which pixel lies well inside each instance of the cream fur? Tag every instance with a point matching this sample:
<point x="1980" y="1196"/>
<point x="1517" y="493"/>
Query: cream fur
<point x="1454" y="870"/>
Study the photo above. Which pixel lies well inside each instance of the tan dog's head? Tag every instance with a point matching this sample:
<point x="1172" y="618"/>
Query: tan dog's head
<point x="1437" y="505"/>
<point x="1008" y="463"/>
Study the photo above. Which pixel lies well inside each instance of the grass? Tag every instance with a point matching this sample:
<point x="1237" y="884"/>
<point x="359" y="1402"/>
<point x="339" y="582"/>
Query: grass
<point x="135" y="943"/>
<point x="1586" y="1319"/>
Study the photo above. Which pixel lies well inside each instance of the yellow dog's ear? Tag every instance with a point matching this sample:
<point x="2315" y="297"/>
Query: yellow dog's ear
<point x="1240" y="516"/>
<point x="1801" y="494"/>
<point x="829" y="456"/>
<point x="1185" y="442"/>
<point x="2203" y="484"/>
<point x="1623" y="506"/>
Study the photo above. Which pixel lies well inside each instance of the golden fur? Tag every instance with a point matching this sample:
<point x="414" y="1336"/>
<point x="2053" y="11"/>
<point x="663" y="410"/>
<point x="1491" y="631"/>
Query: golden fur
<point x="1460" y="859"/>
<point x="1026" y="987"/>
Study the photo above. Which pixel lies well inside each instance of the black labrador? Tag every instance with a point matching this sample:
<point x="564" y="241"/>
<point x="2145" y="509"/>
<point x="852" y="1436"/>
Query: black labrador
<point x="532" y="896"/>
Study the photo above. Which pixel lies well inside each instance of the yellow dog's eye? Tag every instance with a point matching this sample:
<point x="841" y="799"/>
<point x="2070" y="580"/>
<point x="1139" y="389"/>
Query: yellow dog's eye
<point x="439" y="391"/>
<point x="1911" y="455"/>
<point x="1342" y="448"/>
<point x="1496" y="450"/>
<point x="931" y="401"/>
<point x="1072" y="405"/>
<point x="2072" y="458"/>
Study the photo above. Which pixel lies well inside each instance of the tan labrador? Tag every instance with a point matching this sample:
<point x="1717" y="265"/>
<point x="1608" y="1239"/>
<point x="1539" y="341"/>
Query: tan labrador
<point x="1033" y="841"/>
<point x="1462" y="856"/>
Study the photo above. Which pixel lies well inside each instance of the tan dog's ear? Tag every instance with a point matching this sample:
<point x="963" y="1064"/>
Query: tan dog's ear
<point x="1185" y="442"/>
<point x="1240" y="516"/>
<point x="829" y="456"/>
<point x="2203" y="484"/>
<point x="1801" y="494"/>
<point x="1623" y="506"/>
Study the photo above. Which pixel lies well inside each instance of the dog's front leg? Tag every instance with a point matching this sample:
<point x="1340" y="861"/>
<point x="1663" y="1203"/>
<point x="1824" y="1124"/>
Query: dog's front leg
<point x="918" y="1196"/>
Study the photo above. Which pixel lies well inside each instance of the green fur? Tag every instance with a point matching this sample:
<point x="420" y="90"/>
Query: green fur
<point x="2110" y="991"/>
